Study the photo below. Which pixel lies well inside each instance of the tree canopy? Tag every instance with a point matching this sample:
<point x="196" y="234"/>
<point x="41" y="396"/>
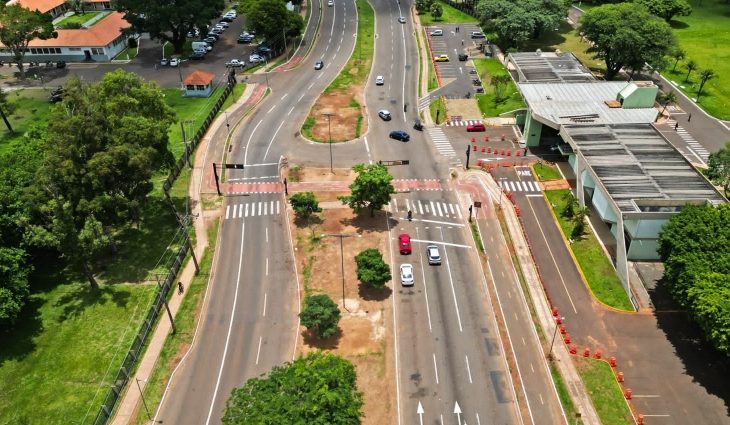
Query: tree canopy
<point x="371" y="269"/>
<point x="718" y="168"/>
<point x="694" y="248"/>
<point x="169" y="20"/>
<point x="518" y="21"/>
<point x="318" y="389"/>
<point x="666" y="9"/>
<point x="271" y="19"/>
<point x="304" y="204"/>
<point x="19" y="26"/>
<point x="371" y="189"/>
<point x="320" y="314"/>
<point x="626" y="36"/>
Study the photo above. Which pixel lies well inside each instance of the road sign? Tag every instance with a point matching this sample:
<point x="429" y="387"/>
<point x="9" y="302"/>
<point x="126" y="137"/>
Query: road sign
<point x="477" y="204"/>
<point x="234" y="166"/>
<point x="390" y="163"/>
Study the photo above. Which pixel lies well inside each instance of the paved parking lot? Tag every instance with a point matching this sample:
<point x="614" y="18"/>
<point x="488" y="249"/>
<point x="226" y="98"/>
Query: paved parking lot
<point x="453" y="75"/>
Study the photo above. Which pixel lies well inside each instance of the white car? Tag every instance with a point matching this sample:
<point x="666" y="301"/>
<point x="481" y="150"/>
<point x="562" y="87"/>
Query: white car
<point x="174" y="62"/>
<point x="255" y="59"/>
<point x="402" y="19"/>
<point x="235" y="63"/>
<point x="406" y="275"/>
<point x="330" y="3"/>
<point x="379" y="80"/>
<point x="437" y="31"/>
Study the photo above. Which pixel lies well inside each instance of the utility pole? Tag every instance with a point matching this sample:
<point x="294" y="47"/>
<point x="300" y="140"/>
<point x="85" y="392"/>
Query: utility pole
<point x="555" y="333"/>
<point x="342" y="260"/>
<point x="217" y="185"/>
<point x="329" y="130"/>
<point x="167" y="307"/>
<point x="468" y="153"/>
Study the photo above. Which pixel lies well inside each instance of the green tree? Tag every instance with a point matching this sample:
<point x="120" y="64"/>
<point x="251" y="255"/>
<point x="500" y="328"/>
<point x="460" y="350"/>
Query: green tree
<point x="320" y="315"/>
<point x="516" y="22"/>
<point x="667" y="99"/>
<point x="304" y="204"/>
<point x="666" y="9"/>
<point x="371" y="269"/>
<point x="319" y="388"/>
<point x="13" y="284"/>
<point x="571" y="205"/>
<point x="718" y="168"/>
<point x="689" y="66"/>
<point x="436" y="11"/>
<point x="105" y="141"/>
<point x="709" y="303"/>
<point x="623" y="35"/>
<point x="372" y="188"/>
<point x="677" y="54"/>
<point x="7" y="108"/>
<point x="500" y="82"/>
<point x="19" y="26"/>
<point x="579" y="222"/>
<point x="705" y="76"/>
<point x="269" y="17"/>
<point x="423" y="6"/>
<point x="169" y="20"/>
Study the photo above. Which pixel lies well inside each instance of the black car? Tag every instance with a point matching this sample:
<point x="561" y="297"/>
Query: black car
<point x="400" y="135"/>
<point x="227" y="18"/>
<point x="61" y="64"/>
<point x="417" y="125"/>
<point x="463" y="57"/>
<point x="262" y="49"/>
<point x="476" y="81"/>
<point x="196" y="56"/>
<point x="318" y="65"/>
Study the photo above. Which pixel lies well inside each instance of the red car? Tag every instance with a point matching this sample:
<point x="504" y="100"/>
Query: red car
<point x="404" y="243"/>
<point x="476" y="127"/>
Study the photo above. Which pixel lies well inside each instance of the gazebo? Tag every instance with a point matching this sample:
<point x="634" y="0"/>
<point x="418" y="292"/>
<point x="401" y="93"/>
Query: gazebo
<point x="199" y="84"/>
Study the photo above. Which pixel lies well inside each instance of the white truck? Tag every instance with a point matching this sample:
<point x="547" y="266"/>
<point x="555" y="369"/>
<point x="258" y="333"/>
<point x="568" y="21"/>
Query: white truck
<point x="201" y="46"/>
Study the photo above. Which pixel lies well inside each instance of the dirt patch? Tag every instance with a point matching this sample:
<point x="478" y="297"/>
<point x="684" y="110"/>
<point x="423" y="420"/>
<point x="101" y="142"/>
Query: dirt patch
<point x="365" y="337"/>
<point x="324" y="175"/>
<point x="347" y="115"/>
<point x="467" y="109"/>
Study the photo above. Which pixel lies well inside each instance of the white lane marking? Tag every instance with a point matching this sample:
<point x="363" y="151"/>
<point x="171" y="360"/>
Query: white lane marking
<point x="451" y="281"/>
<point x="277" y="207"/>
<point x="395" y="322"/>
<point x="289" y="113"/>
<point x="273" y="138"/>
<point x="532" y="368"/>
<point x="541" y="400"/>
<point x="266" y="209"/>
<point x="420" y="207"/>
<point x="267" y="266"/>
<point x="435" y="368"/>
<point x="266" y="164"/>
<point x="455" y="245"/>
<point x="468" y="369"/>
<point x="451" y="207"/>
<point x="230" y="328"/>
<point x="285" y="95"/>
<point x="395" y="204"/>
<point x="245" y="214"/>
<point x="310" y="86"/>
<point x="301" y="97"/>
<point x="438" y="206"/>
<point x="245" y="154"/>
<point x="240" y="211"/>
<point x="265" y="296"/>
<point x="258" y="352"/>
<point x="478" y="421"/>
<point x="228" y="210"/>
<point x="432" y="208"/>
<point x="267" y="234"/>
<point x="270" y="110"/>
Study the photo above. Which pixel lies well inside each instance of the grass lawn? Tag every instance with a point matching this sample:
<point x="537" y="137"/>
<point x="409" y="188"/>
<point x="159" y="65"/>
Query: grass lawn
<point x="451" y="16"/>
<point x="438" y="109"/>
<point x="191" y="112"/>
<point x="127" y="54"/>
<point x="32" y="107"/>
<point x="704" y="35"/>
<point x="358" y="67"/>
<point x="78" y="18"/>
<point x="605" y="392"/>
<point x="487" y="101"/>
<point x="547" y="172"/>
<point x="187" y="49"/>
<point x="185" y="322"/>
<point x="563" y="395"/>
<point x="597" y="269"/>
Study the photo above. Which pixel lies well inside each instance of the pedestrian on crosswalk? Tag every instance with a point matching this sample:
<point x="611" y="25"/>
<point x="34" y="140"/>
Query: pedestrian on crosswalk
<point x="689" y="117"/>
<point x="676" y="126"/>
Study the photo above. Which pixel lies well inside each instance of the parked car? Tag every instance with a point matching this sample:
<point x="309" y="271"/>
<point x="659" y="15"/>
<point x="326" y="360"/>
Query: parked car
<point x="402" y="19"/>
<point x="384" y="114"/>
<point x="400" y="135"/>
<point x="476" y="127"/>
<point x="379" y="80"/>
<point x="476" y="81"/>
<point x="437" y="31"/>
<point x="214" y="35"/>
<point x="463" y="57"/>
<point x="227" y="18"/>
<point x="164" y="61"/>
<point x="61" y="64"/>
<point x="196" y="56"/>
<point x="262" y="50"/>
<point x="235" y="63"/>
<point x="174" y="62"/>
<point x="210" y="40"/>
<point x="432" y="252"/>
<point x="318" y="65"/>
<point x="404" y="243"/>
<point x="477" y="34"/>
<point x="441" y="58"/>
<point x="406" y="275"/>
<point x="223" y="24"/>
<point x="254" y="58"/>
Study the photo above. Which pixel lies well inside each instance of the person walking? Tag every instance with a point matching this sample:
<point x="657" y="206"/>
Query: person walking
<point x="180" y="288"/>
<point x="676" y="126"/>
<point x="689" y="117"/>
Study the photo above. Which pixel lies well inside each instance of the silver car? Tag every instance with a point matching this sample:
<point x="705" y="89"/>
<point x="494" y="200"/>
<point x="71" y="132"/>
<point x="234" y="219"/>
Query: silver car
<point x="434" y="257"/>
<point x="406" y="275"/>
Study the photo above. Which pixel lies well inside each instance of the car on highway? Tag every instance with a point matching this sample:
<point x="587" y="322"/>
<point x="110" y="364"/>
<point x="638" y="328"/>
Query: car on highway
<point x="262" y="50"/>
<point x="174" y="62"/>
<point x="379" y="80"/>
<point x="196" y="56"/>
<point x="477" y="34"/>
<point x="406" y="275"/>
<point x="216" y="31"/>
<point x="384" y="114"/>
<point x="400" y="135"/>
<point x="254" y="58"/>
<point x="476" y="127"/>
<point x="235" y="63"/>
<point x="164" y="61"/>
<point x="441" y="58"/>
<point x="404" y="243"/>
<point x="434" y="257"/>
<point x="318" y="65"/>
<point x="418" y="125"/>
<point x="437" y="31"/>
<point x="330" y="3"/>
<point x="402" y="19"/>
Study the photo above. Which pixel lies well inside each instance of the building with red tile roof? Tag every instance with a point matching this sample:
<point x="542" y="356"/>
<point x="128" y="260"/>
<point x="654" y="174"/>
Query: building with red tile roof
<point x="199" y="84"/>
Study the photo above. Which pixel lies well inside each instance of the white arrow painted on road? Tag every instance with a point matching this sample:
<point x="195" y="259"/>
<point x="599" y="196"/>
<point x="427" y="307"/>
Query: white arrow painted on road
<point x="419" y="410"/>
<point x="457" y="412"/>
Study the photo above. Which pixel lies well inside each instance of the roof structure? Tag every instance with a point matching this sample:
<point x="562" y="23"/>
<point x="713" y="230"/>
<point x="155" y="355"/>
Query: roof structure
<point x="41" y="5"/>
<point x="198" y="78"/>
<point x="589" y="103"/>
<point x="639" y="169"/>
<point x="98" y="35"/>
<point x="549" y="67"/>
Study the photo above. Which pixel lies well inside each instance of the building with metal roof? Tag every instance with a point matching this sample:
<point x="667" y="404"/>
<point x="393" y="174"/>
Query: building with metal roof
<point x="547" y="67"/>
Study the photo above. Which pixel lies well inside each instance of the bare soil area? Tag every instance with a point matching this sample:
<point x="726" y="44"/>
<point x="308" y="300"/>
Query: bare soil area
<point x="347" y="110"/>
<point x="365" y="337"/>
<point x="467" y="109"/>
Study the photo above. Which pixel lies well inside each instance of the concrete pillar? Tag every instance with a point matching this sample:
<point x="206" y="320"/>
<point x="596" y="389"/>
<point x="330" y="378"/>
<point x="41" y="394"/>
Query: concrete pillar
<point x="580" y="167"/>
<point x="622" y="267"/>
<point x="533" y="129"/>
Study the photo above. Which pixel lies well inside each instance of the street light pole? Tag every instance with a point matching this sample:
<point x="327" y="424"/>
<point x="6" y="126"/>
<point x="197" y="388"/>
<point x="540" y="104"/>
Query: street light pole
<point x="141" y="394"/>
<point x="329" y="130"/>
<point x="555" y="333"/>
<point x="342" y="261"/>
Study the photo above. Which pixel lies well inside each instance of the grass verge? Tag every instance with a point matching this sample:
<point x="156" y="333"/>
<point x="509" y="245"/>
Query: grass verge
<point x="547" y="172"/>
<point x="475" y="235"/>
<point x="186" y="320"/>
<point x="433" y="82"/>
<point x="76" y="19"/>
<point x="31" y="108"/>
<point x="488" y="103"/>
<point x="597" y="269"/>
<point x="563" y="395"/>
<point x="191" y="113"/>
<point x="438" y="110"/>
<point x="451" y="15"/>
<point x="605" y="392"/>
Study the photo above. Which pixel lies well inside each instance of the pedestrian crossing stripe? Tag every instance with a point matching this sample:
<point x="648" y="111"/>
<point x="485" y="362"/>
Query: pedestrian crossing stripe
<point x="694" y="145"/>
<point x="462" y="123"/>
<point x="441" y="142"/>
<point x="520" y="186"/>
<point x="436" y="208"/>
<point x="253" y="209"/>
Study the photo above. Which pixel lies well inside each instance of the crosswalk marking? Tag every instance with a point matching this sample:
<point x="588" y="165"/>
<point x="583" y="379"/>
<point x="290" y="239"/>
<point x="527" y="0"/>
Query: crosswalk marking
<point x="420" y="207"/>
<point x="520" y="186"/>
<point x="242" y="210"/>
<point x="461" y="123"/>
<point x="693" y="144"/>
<point x="435" y="208"/>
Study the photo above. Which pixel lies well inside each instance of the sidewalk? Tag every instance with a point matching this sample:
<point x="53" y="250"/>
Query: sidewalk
<point x="127" y="407"/>
<point x="563" y="362"/>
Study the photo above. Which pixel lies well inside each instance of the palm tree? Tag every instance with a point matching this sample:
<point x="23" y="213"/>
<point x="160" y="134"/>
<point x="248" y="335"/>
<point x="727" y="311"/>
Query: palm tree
<point x="705" y="76"/>
<point x="579" y="222"/>
<point x="689" y="66"/>
<point x="678" y="54"/>
<point x="667" y="98"/>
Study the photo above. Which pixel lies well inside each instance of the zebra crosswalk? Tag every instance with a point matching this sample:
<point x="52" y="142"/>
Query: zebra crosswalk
<point x="441" y="141"/>
<point x="520" y="186"/>
<point x="693" y="144"/>
<point x="435" y="208"/>
<point x="252" y="209"/>
<point x="461" y="123"/>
